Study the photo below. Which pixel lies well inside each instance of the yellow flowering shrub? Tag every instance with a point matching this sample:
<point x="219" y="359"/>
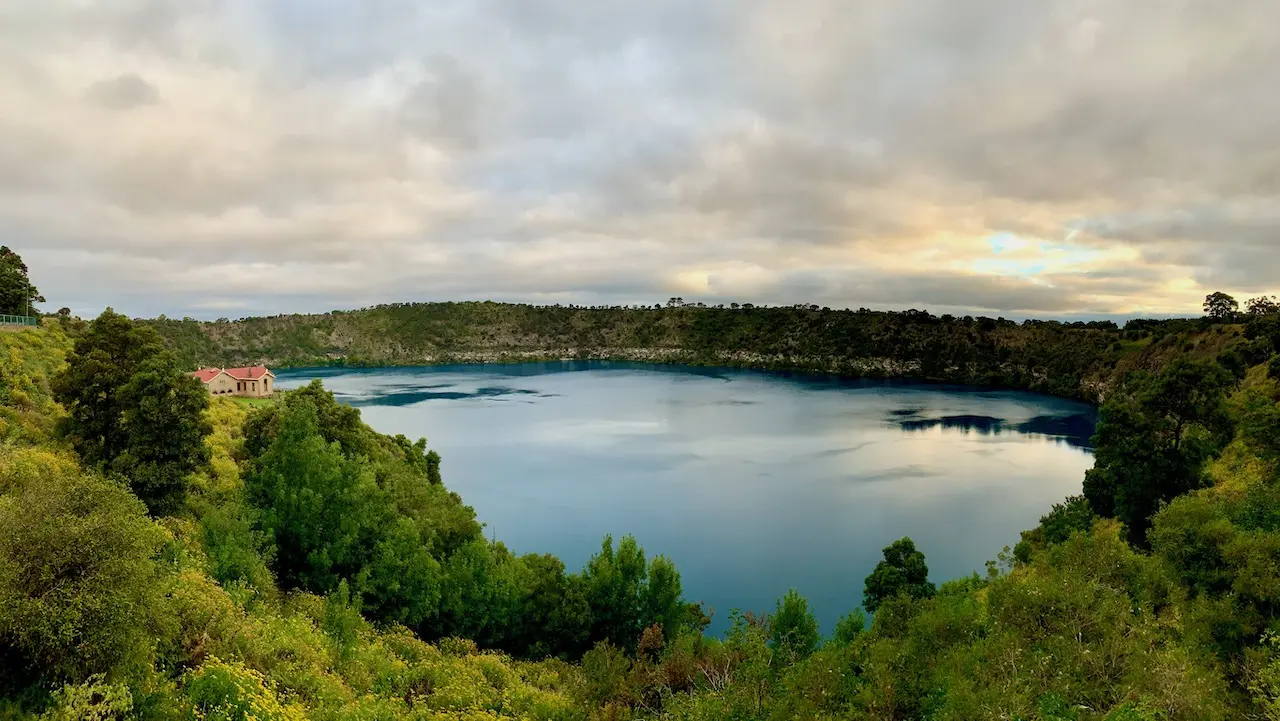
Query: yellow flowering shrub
<point x="229" y="691"/>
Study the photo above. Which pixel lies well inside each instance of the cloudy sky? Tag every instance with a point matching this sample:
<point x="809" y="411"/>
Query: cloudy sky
<point x="1049" y="158"/>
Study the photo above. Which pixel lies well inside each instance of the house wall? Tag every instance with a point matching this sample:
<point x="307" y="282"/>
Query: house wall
<point x="221" y="385"/>
<point x="260" y="388"/>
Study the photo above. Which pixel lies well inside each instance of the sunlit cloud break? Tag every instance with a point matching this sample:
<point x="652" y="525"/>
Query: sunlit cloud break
<point x="229" y="157"/>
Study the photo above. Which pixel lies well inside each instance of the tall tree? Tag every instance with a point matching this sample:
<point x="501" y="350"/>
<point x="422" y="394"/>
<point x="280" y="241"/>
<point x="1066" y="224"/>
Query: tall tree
<point x="1262" y="305"/>
<point x="557" y="619"/>
<point x="615" y="582"/>
<point x="628" y="594"/>
<point x="132" y="411"/>
<point x="163" y="419"/>
<point x="1154" y="435"/>
<point x="1221" y="307"/>
<point x="1265" y="328"/>
<point x="321" y="508"/>
<point x="661" y="600"/>
<point x="793" y="627"/>
<point x="903" y="571"/>
<point x="100" y="365"/>
<point x="17" y="295"/>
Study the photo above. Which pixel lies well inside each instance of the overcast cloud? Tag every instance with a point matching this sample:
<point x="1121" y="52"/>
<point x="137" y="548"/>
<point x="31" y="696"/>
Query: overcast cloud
<point x="228" y="157"/>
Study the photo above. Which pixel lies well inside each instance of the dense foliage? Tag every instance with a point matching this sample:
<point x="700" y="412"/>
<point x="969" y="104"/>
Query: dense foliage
<point x="133" y="411"/>
<point x="903" y="572"/>
<point x="17" y="294"/>
<point x="307" y="567"/>
<point x="1155" y="433"/>
<point x="1077" y="360"/>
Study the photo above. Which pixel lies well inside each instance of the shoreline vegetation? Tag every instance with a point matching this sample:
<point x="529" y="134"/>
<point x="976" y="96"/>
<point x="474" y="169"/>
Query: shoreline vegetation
<point x="1080" y="361"/>
<point x="167" y="555"/>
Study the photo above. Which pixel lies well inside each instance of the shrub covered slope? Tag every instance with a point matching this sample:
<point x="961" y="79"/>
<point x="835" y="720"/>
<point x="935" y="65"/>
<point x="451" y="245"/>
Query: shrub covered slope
<point x="295" y="564"/>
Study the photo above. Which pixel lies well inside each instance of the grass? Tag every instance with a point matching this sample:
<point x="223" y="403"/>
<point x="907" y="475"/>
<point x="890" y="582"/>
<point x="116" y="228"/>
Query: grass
<point x="254" y="402"/>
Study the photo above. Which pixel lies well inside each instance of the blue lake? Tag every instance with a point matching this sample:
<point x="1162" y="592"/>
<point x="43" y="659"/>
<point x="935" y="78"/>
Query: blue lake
<point x="752" y="482"/>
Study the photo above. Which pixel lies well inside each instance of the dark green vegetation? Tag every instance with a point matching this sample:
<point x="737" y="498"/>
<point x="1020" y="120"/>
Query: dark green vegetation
<point x="903" y="572"/>
<point x="17" y="295"/>
<point x="132" y="411"/>
<point x="1155" y="433"/>
<point x="302" y="565"/>
<point x="1077" y="360"/>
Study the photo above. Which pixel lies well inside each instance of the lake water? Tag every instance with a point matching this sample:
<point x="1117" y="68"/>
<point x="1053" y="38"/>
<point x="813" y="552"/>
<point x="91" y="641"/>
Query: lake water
<point x="751" y="482"/>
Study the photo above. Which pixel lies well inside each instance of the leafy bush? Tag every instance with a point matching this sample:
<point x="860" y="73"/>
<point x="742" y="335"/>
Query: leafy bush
<point x="793" y="628"/>
<point x="903" y="571"/>
<point x="92" y="700"/>
<point x="78" y="578"/>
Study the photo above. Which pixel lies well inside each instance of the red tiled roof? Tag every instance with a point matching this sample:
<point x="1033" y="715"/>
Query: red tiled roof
<point x="207" y="374"/>
<point x="251" y="373"/>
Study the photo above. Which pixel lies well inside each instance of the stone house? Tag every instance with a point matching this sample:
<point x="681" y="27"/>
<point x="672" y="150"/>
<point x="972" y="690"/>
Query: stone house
<point x="250" y="382"/>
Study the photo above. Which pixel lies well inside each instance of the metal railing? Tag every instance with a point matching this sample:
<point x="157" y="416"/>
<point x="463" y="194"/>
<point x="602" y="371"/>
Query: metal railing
<point x="20" y="320"/>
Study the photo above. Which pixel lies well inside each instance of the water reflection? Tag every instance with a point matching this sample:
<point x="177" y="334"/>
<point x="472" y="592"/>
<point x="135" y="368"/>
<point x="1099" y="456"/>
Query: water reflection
<point x="752" y="482"/>
<point x="1075" y="429"/>
<point x="412" y="396"/>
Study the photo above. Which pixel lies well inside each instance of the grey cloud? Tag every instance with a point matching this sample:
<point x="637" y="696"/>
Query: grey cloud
<point x="1235" y="245"/>
<point x="444" y="106"/>
<point x="217" y="291"/>
<point x="927" y="290"/>
<point x="124" y="92"/>
<point x="826" y="151"/>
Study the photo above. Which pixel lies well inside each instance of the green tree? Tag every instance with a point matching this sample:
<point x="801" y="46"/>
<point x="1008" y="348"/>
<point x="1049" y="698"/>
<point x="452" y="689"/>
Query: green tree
<point x="615" y="581"/>
<point x="235" y="546"/>
<point x="1264" y="328"/>
<point x="337" y="423"/>
<point x="79" y="586"/>
<point x="793" y="628"/>
<point x="661" y="600"/>
<point x="1153" y="438"/>
<point x="401" y="582"/>
<point x="93" y="700"/>
<point x="323" y="510"/>
<point x="17" y="295"/>
<point x="1265" y="685"/>
<point x="481" y="595"/>
<point x="132" y="411"/>
<point x="556" y="618"/>
<point x="1071" y="516"/>
<point x="164" y="423"/>
<point x="99" y="367"/>
<point x="903" y="571"/>
<point x="627" y="594"/>
<point x="1074" y="515"/>
<point x="1262" y="305"/>
<point x="1259" y="423"/>
<point x="1221" y="307"/>
<point x="849" y="628"/>
<point x="604" y="674"/>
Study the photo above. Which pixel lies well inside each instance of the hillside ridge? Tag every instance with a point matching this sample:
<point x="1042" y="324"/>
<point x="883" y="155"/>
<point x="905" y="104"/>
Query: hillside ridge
<point x="1074" y="360"/>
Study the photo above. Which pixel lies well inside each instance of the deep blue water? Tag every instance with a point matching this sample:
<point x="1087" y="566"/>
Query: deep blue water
<point x="752" y="482"/>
